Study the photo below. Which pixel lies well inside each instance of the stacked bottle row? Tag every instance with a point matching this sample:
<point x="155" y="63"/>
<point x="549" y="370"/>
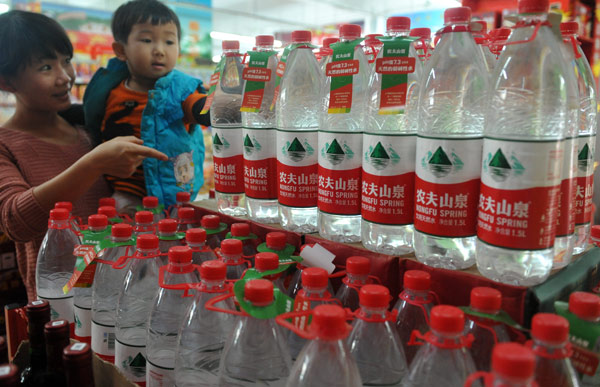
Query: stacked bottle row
<point x="466" y="152"/>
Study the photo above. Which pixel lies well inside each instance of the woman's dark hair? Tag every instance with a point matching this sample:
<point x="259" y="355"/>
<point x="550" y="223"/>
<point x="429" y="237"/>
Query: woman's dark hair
<point x="27" y="37"/>
<point x="141" y="11"/>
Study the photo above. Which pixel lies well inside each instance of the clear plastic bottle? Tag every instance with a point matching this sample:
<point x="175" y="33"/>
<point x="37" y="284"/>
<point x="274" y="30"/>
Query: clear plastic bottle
<point x="166" y="317"/>
<point x="212" y="225"/>
<point x="443" y="359"/>
<point x="414" y="307"/>
<point x="342" y="122"/>
<point x="389" y="145"/>
<point x="374" y="342"/>
<point x="167" y="238"/>
<point x="241" y="231"/>
<point x="453" y="102"/>
<point x="532" y="100"/>
<point x="55" y="263"/>
<point x="72" y="220"/>
<point x="550" y="334"/>
<point x="586" y="140"/>
<point x="256" y="352"/>
<point x="150" y="203"/>
<point x="226" y="122"/>
<point x="297" y="111"/>
<point x="513" y="365"/>
<point x="371" y="47"/>
<point x="258" y="121"/>
<point x="203" y="333"/>
<point x="231" y="253"/>
<point x="423" y="45"/>
<point x="325" y="52"/>
<point x="195" y="238"/>
<point x="266" y="262"/>
<point x="144" y="223"/>
<point x="182" y="199"/>
<point x="135" y="301"/>
<point x="107" y="201"/>
<point x="186" y="218"/>
<point x="586" y="306"/>
<point x="487" y="333"/>
<point x="111" y="213"/>
<point x="105" y="292"/>
<point x="482" y="39"/>
<point x="357" y="274"/>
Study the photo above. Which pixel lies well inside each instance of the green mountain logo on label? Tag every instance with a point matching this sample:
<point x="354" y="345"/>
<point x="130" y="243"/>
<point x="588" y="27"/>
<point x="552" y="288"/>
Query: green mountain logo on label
<point x="501" y="167"/>
<point x="336" y="153"/>
<point x="439" y="163"/>
<point x="77" y="322"/>
<point x="136" y="365"/>
<point x="53" y="313"/>
<point x="219" y="143"/>
<point x="584" y="158"/>
<point x="296" y="151"/>
<point x="251" y="146"/>
<point x="379" y="158"/>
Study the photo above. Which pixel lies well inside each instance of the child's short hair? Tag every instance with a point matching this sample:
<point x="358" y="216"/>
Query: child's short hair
<point x="141" y="11"/>
<point x="28" y="36"/>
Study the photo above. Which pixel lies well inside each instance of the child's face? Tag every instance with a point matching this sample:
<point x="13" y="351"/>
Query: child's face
<point x="151" y="50"/>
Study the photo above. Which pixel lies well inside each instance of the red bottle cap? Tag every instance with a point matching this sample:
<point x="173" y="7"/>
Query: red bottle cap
<point x="486" y="299"/>
<point x="329" y="322"/>
<point x="513" y="361"/>
<point x="59" y="214"/>
<point x="150" y="202"/>
<point x="585" y="305"/>
<point x="457" y="15"/>
<point x="259" y="292"/>
<point x="314" y="277"/>
<point x="358" y="265"/>
<point x="231" y="247"/>
<point x="109" y="211"/>
<point x="397" y="23"/>
<point x="144" y="217"/>
<point x="533" y="6"/>
<point x="417" y="280"/>
<point x="188" y="214"/>
<point x="167" y="225"/>
<point x="66" y="205"/>
<point x="550" y="328"/>
<point x="327" y="42"/>
<point x="301" y="36"/>
<point x="447" y="319"/>
<point x="147" y="242"/>
<point x="213" y="270"/>
<point x="97" y="221"/>
<point x="56" y="330"/>
<point x="265" y="40"/>
<point x="266" y="261"/>
<point x="374" y="296"/>
<point x="107" y="202"/>
<point x="210" y="221"/>
<point x="180" y="254"/>
<point x="183" y="197"/>
<point x="350" y="31"/>
<point x="424" y="33"/>
<point x="195" y="235"/>
<point x="77" y="355"/>
<point x="121" y="230"/>
<point x="240" y="229"/>
<point x="230" y="45"/>
<point x="37" y="310"/>
<point x="569" y="28"/>
<point x="276" y="240"/>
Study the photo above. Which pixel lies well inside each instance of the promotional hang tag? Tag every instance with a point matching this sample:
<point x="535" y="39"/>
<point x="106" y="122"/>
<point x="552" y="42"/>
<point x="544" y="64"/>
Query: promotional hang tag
<point x="281" y="303"/>
<point x="341" y="70"/>
<point x="256" y="75"/>
<point x="214" y="80"/>
<point x="394" y="67"/>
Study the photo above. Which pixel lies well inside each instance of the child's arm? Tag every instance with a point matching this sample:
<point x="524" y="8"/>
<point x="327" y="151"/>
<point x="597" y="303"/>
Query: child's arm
<point x="193" y="105"/>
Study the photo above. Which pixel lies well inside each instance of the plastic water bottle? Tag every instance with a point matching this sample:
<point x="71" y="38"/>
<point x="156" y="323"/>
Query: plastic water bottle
<point x="550" y="344"/>
<point x="389" y="145"/>
<point x="326" y="360"/>
<point x="532" y="101"/>
<point x="105" y="292"/>
<point x="166" y="317"/>
<point x="144" y="223"/>
<point x="423" y="45"/>
<point x="513" y="365"/>
<point x="111" y="213"/>
<point x="167" y="237"/>
<point x="325" y="52"/>
<point x="586" y="140"/>
<point x="357" y="273"/>
<point x="212" y="224"/>
<point x="182" y="199"/>
<point x="482" y="39"/>
<point x="414" y="307"/>
<point x="133" y="309"/>
<point x="586" y="307"/>
<point x="187" y="219"/>
<point x="55" y="263"/>
<point x="340" y="139"/>
<point x="256" y="352"/>
<point x="226" y="122"/>
<point x="231" y="253"/>
<point x="371" y="47"/>
<point x="453" y="101"/>
<point x="150" y="203"/>
<point x="266" y="262"/>
<point x="374" y="342"/>
<point x="69" y="207"/>
<point x="487" y="333"/>
<point x="108" y="201"/>
<point x="297" y="111"/>
<point x="241" y="231"/>
<point x="443" y="359"/>
<point x="258" y="121"/>
<point x="203" y="333"/>
<point x="195" y="238"/>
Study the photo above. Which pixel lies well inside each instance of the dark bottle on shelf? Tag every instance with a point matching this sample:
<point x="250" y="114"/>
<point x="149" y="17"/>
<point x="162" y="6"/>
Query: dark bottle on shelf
<point x="57" y="338"/>
<point x="38" y="314"/>
<point x="77" y="361"/>
<point x="9" y="375"/>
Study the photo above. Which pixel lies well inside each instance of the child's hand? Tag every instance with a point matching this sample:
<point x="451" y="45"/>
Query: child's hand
<point x="121" y="156"/>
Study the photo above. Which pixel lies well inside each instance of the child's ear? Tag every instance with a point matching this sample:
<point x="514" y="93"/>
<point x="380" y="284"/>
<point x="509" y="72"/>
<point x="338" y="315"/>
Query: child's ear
<point x="119" y="50"/>
<point x="6" y="86"/>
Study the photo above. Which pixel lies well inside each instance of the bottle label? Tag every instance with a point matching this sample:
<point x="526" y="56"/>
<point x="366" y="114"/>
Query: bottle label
<point x="83" y="321"/>
<point x="520" y="185"/>
<point x="585" y="179"/>
<point x="341" y="70"/>
<point x="131" y="360"/>
<point x="394" y="67"/>
<point x="256" y="75"/>
<point x="339" y="172"/>
<point x="228" y="160"/>
<point x="568" y="186"/>
<point x="260" y="163"/>
<point x="214" y="80"/>
<point x="103" y="340"/>
<point x="60" y="308"/>
<point x="297" y="167"/>
<point x="159" y="376"/>
<point x="388" y="178"/>
<point x="447" y="186"/>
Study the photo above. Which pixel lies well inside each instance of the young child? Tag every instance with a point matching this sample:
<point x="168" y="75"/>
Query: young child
<point x="44" y="158"/>
<point x="140" y="94"/>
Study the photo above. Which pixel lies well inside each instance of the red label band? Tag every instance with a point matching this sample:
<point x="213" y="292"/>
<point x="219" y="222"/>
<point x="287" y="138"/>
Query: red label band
<point x="280" y="69"/>
<point x="388" y="199"/>
<point x="448" y="210"/>
<point x="584" y="361"/>
<point x="260" y="178"/>
<point x="342" y="68"/>
<point x="566" y="205"/>
<point x="229" y="174"/>
<point x="518" y="219"/>
<point x="297" y="185"/>
<point x="395" y="65"/>
<point x="341" y="98"/>
<point x="256" y="74"/>
<point x="584" y="193"/>
<point x="339" y="191"/>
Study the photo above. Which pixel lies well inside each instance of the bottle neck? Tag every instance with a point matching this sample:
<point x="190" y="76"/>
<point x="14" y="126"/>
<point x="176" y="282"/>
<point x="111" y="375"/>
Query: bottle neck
<point x="180" y="268"/>
<point x="373" y="313"/>
<point x="166" y="234"/>
<point x="356" y="279"/>
<point x="97" y="230"/>
<point x="264" y="48"/>
<point x="550" y="350"/>
<point x="230" y="53"/>
<point x="119" y="239"/>
<point x="232" y="259"/>
<point x="199" y="246"/>
<point x="58" y="224"/>
<point x="421" y="296"/>
<point x="212" y="285"/>
<point x="348" y="38"/>
<point x="147" y="252"/>
<point x="533" y="18"/>
<point x="314" y="292"/>
<point x="500" y="381"/>
<point x="395" y="33"/>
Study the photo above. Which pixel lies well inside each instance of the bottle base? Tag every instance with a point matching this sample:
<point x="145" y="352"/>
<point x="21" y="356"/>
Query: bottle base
<point x="302" y="220"/>
<point x="262" y="210"/>
<point x="444" y="252"/>
<point x="582" y="236"/>
<point x="231" y="204"/>
<point x="340" y="228"/>
<point x="387" y="239"/>
<point x="563" y="251"/>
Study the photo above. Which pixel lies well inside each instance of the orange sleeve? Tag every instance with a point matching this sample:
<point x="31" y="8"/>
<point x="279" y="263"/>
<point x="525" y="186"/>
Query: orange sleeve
<point x="188" y="107"/>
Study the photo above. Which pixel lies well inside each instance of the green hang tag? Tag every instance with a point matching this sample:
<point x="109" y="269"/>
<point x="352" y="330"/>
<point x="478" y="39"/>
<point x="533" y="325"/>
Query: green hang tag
<point x="501" y="317"/>
<point x="241" y="238"/>
<point x="284" y="255"/>
<point x="281" y="304"/>
<point x="116" y="220"/>
<point x="281" y="67"/>
<point x="177" y="237"/>
<point x="341" y="70"/>
<point x="158" y="210"/>
<point x="254" y="274"/>
<point x="211" y="231"/>
<point x="394" y="67"/>
<point x="256" y="75"/>
<point x="214" y="81"/>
